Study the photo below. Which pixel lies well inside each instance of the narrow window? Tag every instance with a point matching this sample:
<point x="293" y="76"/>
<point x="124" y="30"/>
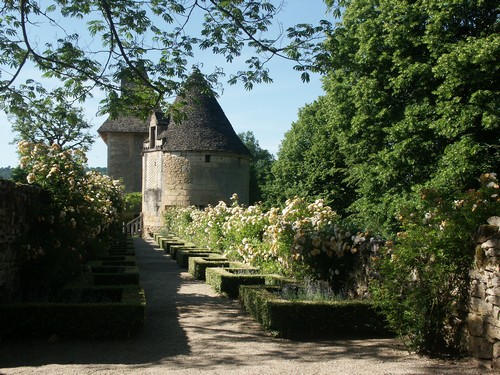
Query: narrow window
<point x="152" y="137"/>
<point x="207" y="158"/>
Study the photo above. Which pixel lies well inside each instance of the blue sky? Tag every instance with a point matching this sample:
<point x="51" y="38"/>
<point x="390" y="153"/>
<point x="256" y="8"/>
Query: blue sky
<point x="268" y="110"/>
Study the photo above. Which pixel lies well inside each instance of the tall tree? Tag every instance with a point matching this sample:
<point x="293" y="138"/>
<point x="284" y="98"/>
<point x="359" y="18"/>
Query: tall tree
<point x="309" y="164"/>
<point x="412" y="94"/>
<point x="260" y="168"/>
<point x="49" y="119"/>
<point x="151" y="40"/>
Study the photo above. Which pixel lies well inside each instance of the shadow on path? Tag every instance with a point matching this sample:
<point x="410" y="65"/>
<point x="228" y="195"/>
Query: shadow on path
<point x="189" y="329"/>
<point x="162" y="336"/>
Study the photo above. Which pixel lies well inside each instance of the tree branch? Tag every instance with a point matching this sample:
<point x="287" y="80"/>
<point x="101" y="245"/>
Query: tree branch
<point x="109" y="17"/>
<point x="14" y="77"/>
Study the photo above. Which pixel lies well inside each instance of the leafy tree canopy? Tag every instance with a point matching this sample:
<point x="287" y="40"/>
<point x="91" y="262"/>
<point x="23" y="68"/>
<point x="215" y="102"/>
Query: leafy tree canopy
<point x="260" y="167"/>
<point x="412" y="98"/>
<point x="96" y="43"/>
<point x="309" y="163"/>
<point x="50" y="120"/>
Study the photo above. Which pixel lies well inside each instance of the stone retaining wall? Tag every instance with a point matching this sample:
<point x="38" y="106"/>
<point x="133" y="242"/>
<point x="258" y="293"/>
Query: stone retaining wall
<point x="483" y="320"/>
<point x="17" y="204"/>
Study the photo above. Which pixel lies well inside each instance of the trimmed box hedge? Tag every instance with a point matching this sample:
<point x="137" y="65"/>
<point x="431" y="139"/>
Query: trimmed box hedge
<point x="111" y="275"/>
<point x="226" y="281"/>
<point x="307" y="319"/>
<point x="174" y="249"/>
<point x="184" y="254"/>
<point x="198" y="265"/>
<point x="87" y="318"/>
<point x="162" y="242"/>
<point x="170" y="243"/>
<point x="129" y="277"/>
<point x="121" y="251"/>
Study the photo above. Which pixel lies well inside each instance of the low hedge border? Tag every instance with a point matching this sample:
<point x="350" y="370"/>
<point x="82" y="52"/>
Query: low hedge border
<point x="162" y="242"/>
<point x="116" y="261"/>
<point x="198" y="265"/>
<point x="304" y="319"/>
<point x="226" y="281"/>
<point x="183" y="255"/>
<point x="174" y="249"/>
<point x="110" y="320"/>
<point x="113" y="276"/>
<point x="121" y="251"/>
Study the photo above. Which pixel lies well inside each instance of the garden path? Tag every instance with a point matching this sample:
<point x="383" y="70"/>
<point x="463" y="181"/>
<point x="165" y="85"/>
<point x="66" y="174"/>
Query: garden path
<point x="191" y="330"/>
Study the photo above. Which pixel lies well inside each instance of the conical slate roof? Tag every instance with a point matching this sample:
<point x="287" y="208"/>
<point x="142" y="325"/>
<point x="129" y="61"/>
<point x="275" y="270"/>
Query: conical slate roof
<point x="202" y="124"/>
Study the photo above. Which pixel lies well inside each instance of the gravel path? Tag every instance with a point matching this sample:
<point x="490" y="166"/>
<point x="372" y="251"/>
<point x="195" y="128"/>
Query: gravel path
<point x="191" y="330"/>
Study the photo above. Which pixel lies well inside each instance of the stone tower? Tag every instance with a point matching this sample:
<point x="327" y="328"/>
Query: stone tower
<point x="125" y="137"/>
<point x="193" y="157"/>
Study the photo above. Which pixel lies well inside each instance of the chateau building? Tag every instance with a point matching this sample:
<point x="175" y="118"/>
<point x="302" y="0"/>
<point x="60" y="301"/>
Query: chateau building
<point x="191" y="156"/>
<point x="124" y="137"/>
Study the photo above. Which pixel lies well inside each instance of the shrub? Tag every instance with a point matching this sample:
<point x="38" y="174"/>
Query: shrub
<point x="80" y="212"/>
<point x="77" y="318"/>
<point x="226" y="281"/>
<point x="302" y="240"/>
<point x="307" y="319"/>
<point x="425" y="275"/>
<point x="132" y="206"/>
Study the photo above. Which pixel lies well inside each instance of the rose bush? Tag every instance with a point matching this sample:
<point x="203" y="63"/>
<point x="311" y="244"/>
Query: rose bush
<point x="424" y="286"/>
<point x="80" y="212"/>
<point x="301" y="240"/>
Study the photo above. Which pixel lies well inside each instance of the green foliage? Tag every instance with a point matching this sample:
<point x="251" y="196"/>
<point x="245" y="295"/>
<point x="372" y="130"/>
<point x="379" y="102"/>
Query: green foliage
<point x="260" y="168"/>
<point x="309" y="163"/>
<point x="306" y="319"/>
<point x="309" y="290"/>
<point x="412" y="93"/>
<point x="79" y="211"/>
<point x="425" y="276"/>
<point x="77" y="319"/>
<point x="198" y="265"/>
<point x="227" y="281"/>
<point x="301" y="240"/>
<point x="133" y="202"/>
<point x="47" y="118"/>
<point x="149" y="41"/>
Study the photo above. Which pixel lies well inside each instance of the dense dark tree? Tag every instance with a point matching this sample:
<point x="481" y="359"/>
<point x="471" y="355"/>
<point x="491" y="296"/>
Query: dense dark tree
<point x="412" y="98"/>
<point x="309" y="163"/>
<point x="260" y="168"/>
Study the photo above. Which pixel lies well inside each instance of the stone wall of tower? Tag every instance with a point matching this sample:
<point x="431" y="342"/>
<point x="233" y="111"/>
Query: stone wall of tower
<point x="203" y="178"/>
<point x="152" y="189"/>
<point x="124" y="159"/>
<point x="190" y="178"/>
